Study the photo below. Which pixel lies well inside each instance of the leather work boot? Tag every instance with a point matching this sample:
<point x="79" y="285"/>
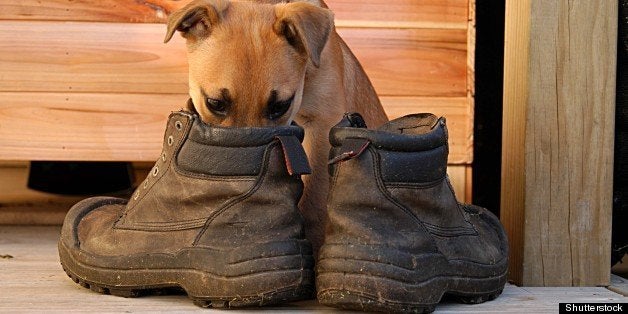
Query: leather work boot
<point x="217" y="217"/>
<point x="397" y="240"/>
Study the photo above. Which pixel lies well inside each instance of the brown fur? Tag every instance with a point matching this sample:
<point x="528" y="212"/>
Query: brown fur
<point x="251" y="48"/>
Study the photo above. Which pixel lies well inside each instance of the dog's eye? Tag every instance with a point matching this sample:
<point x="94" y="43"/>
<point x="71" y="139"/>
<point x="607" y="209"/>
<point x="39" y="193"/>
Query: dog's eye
<point x="217" y="106"/>
<point x="279" y="108"/>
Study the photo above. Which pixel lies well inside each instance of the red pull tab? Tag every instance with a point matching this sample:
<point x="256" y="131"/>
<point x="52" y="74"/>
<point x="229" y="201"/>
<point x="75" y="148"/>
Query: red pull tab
<point x="294" y="155"/>
<point x="352" y="148"/>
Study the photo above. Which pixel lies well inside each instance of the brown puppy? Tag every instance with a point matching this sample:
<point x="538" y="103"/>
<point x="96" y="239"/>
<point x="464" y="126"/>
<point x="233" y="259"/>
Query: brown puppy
<point x="262" y="63"/>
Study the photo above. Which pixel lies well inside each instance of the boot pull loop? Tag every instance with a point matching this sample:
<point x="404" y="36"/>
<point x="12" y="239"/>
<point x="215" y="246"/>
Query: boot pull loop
<point x="294" y="155"/>
<point x="352" y="148"/>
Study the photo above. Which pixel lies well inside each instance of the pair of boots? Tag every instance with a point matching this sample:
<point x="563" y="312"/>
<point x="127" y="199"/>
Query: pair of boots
<point x="217" y="217"/>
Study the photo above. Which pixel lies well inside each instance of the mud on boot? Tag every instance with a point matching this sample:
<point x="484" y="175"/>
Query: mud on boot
<point x="217" y="217"/>
<point x="397" y="240"/>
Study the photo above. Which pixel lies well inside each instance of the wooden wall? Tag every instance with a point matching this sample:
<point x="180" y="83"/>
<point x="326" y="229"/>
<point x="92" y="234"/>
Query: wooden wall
<point x="92" y="80"/>
<point x="557" y="160"/>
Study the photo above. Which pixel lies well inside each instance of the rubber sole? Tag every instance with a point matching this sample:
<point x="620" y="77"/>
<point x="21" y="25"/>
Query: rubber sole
<point x="348" y="300"/>
<point x="203" y="288"/>
<point x="383" y="287"/>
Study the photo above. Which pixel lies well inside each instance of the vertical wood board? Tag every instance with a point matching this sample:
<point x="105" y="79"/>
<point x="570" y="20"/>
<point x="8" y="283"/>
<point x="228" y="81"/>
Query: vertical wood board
<point x="516" y="56"/>
<point x="559" y="180"/>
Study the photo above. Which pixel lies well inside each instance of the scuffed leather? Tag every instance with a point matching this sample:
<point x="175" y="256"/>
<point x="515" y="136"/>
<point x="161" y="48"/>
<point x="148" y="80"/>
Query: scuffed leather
<point x="220" y="161"/>
<point x="360" y="213"/>
<point x="401" y="166"/>
<point x="396" y="194"/>
<point x="203" y="204"/>
<point x="261" y="214"/>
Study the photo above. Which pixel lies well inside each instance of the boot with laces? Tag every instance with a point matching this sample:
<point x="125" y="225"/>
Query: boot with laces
<point x="217" y="217"/>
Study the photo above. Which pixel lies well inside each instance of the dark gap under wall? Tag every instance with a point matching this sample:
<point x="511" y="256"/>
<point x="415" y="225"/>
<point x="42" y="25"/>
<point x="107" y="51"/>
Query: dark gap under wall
<point x="489" y="75"/>
<point x="80" y="178"/>
<point x="620" y="172"/>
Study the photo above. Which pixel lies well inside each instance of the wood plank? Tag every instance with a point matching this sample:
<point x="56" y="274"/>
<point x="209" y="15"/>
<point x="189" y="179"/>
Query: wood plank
<point x="131" y="58"/>
<point x="86" y="57"/>
<point x="129" y="127"/>
<point x="400" y="13"/>
<point x="470" y="83"/>
<point x="471" y="49"/>
<point x="566" y="137"/>
<point x="458" y="177"/>
<point x="354" y="13"/>
<point x="34" y="270"/>
<point x="412" y="62"/>
<point x="512" y="201"/>
<point x="77" y="126"/>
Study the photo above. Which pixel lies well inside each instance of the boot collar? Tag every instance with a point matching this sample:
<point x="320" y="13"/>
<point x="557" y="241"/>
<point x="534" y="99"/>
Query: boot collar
<point x="236" y="136"/>
<point x="415" y="132"/>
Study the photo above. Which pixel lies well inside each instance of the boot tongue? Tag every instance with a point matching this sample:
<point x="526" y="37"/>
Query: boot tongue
<point x="414" y="124"/>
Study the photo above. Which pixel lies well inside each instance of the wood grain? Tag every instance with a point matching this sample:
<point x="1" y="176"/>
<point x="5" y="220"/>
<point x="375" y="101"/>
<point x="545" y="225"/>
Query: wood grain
<point x="353" y="13"/>
<point x="567" y="153"/>
<point x="400" y="13"/>
<point x="516" y="59"/>
<point x="459" y="177"/>
<point x="471" y="83"/>
<point x="88" y="57"/>
<point x="129" y="127"/>
<point x="412" y="62"/>
<point x="130" y="58"/>
<point x="76" y="126"/>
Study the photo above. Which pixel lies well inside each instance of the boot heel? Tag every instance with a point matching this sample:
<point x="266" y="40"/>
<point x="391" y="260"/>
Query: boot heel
<point x="371" y="293"/>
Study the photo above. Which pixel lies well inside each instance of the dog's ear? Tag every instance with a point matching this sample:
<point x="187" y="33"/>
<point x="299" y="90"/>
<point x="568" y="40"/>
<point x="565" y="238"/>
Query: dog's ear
<point x="196" y="19"/>
<point x="305" y="26"/>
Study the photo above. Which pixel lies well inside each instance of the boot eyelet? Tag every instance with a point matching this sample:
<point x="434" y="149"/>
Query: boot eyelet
<point x="170" y="140"/>
<point x="163" y="157"/>
<point x="178" y="125"/>
<point x="155" y="171"/>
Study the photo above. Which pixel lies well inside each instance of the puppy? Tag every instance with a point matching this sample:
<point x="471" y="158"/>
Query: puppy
<point x="266" y="63"/>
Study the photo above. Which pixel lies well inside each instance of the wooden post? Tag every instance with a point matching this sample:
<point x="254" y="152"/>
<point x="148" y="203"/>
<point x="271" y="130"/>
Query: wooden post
<point x="558" y="130"/>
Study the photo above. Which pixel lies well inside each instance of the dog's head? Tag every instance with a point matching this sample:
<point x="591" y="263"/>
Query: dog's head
<point x="247" y="61"/>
